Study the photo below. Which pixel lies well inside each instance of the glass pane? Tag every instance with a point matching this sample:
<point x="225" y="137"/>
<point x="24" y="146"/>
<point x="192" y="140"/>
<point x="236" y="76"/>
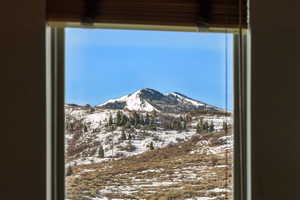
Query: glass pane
<point x="148" y="115"/>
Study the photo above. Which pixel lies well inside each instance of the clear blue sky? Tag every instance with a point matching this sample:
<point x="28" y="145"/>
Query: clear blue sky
<point x="105" y="64"/>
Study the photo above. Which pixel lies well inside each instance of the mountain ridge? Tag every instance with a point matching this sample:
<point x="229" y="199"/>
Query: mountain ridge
<point x="148" y="100"/>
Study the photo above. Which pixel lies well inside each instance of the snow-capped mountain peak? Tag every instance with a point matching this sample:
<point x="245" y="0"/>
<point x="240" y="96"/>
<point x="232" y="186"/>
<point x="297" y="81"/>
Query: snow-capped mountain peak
<point x="134" y="101"/>
<point x="149" y="100"/>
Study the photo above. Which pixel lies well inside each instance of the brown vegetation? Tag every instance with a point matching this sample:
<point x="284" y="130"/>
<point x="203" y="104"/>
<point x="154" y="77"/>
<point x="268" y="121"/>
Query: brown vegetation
<point x="161" y="174"/>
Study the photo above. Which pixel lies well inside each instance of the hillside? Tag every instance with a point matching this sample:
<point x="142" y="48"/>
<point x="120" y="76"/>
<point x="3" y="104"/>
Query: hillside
<point x="148" y="145"/>
<point x="198" y="169"/>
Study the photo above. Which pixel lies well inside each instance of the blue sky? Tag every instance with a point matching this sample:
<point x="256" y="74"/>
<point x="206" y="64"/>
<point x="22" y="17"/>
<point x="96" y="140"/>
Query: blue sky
<point x="105" y="64"/>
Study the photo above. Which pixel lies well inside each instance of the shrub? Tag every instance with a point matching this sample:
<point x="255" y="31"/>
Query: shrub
<point x="129" y="147"/>
<point x="151" y="146"/>
<point x="101" y="152"/>
<point x="156" y="138"/>
<point x="179" y="139"/>
<point x="119" y="155"/>
<point x="195" y="138"/>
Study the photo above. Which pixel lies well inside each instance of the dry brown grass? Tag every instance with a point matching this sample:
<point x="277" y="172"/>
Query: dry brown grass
<point x="188" y="175"/>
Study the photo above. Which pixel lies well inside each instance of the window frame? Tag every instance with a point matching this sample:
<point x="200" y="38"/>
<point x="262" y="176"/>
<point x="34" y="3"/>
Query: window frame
<point x="55" y="73"/>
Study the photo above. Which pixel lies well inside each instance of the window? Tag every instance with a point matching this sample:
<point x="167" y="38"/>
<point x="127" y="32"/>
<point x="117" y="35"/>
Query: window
<point x="131" y="129"/>
<point x="154" y="135"/>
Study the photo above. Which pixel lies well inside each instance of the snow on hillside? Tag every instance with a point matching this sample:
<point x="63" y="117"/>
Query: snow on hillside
<point x="94" y="132"/>
<point x="199" y="168"/>
<point x="133" y="124"/>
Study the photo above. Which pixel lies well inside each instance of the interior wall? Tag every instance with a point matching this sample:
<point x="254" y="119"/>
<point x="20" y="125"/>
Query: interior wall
<point x="22" y="148"/>
<point x="275" y="99"/>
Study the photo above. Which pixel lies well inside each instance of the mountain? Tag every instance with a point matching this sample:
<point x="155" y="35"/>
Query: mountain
<point x="149" y="100"/>
<point x="124" y="155"/>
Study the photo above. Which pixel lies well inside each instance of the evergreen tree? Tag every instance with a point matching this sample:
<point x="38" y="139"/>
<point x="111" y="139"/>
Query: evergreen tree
<point x="113" y="127"/>
<point x="154" y="113"/>
<point x="110" y="120"/>
<point x="92" y="110"/>
<point x="201" y="121"/>
<point x="183" y="125"/>
<point x="181" y="118"/>
<point x="129" y="137"/>
<point x="225" y="126"/>
<point x="199" y="127"/>
<point x="131" y="120"/>
<point x="205" y="126"/>
<point x="124" y="120"/>
<point x="69" y="171"/>
<point x="119" y="118"/>
<point x="128" y="124"/>
<point x="136" y="118"/>
<point x="174" y="124"/>
<point x="153" y="127"/>
<point x="188" y="117"/>
<point x="101" y="152"/>
<point x="142" y="119"/>
<point x="211" y="127"/>
<point x="147" y="119"/>
<point x="152" y="118"/>
<point x="123" y="135"/>
<point x="151" y="146"/>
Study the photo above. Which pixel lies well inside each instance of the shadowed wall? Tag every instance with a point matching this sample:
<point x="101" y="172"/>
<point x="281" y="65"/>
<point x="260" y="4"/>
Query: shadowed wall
<point x="275" y="100"/>
<point x="22" y="148"/>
